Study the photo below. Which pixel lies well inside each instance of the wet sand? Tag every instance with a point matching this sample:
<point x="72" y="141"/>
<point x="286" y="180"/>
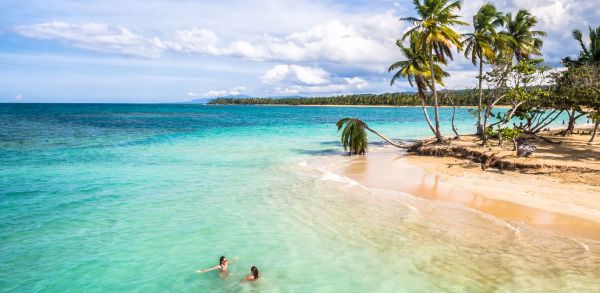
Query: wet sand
<point x="537" y="201"/>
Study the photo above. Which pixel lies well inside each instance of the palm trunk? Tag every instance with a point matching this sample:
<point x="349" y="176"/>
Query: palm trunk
<point x="424" y="106"/>
<point x="438" y="134"/>
<point x="385" y="138"/>
<point x="479" y="126"/>
<point x="595" y="131"/>
<point x="453" y="127"/>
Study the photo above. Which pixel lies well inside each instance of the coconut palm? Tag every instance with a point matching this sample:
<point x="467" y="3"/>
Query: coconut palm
<point x="525" y="41"/>
<point x="354" y="137"/>
<point x="416" y="69"/>
<point x="433" y="36"/>
<point x="590" y="53"/>
<point x="482" y="44"/>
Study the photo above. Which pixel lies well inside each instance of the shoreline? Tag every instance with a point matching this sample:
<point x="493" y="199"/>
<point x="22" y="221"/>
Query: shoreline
<point x="544" y="203"/>
<point x="349" y="106"/>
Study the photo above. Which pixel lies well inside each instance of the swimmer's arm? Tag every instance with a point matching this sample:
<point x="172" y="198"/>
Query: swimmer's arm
<point x="207" y="270"/>
<point x="233" y="260"/>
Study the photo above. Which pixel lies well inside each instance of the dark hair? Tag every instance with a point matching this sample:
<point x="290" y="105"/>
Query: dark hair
<point x="221" y="260"/>
<point x="254" y="271"/>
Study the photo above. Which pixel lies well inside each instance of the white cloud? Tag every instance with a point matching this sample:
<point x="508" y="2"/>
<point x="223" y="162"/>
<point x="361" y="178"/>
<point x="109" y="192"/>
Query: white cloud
<point x="296" y="74"/>
<point x="19" y="97"/>
<point x="196" y="40"/>
<point x="321" y="44"/>
<point x="219" y="93"/>
<point x="333" y="41"/>
<point x="296" y="79"/>
<point x="96" y="37"/>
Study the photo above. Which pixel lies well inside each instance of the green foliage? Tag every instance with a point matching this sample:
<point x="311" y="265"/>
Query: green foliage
<point x="353" y="136"/>
<point x="507" y="133"/>
<point x="490" y="132"/>
<point x="523" y="84"/>
<point x="432" y="30"/>
<point x="595" y="116"/>
<point x="523" y="41"/>
<point x="590" y="53"/>
<point x="461" y="98"/>
<point x="579" y="86"/>
<point x="416" y="68"/>
<point x="481" y="45"/>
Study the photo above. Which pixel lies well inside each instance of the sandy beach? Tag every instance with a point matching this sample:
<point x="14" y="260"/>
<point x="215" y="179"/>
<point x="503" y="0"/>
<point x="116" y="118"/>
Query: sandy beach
<point x="542" y="202"/>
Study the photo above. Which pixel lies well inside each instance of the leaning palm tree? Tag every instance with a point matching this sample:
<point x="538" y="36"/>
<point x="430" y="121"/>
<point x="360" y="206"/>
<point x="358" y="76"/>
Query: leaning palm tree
<point x="354" y="137"/>
<point x="433" y="35"/>
<point x="416" y="69"/>
<point x="525" y="41"/>
<point x="590" y="54"/>
<point x="482" y="44"/>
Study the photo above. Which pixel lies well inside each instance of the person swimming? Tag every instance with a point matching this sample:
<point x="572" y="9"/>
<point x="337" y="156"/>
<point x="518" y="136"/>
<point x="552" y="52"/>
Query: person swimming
<point x="222" y="266"/>
<point x="254" y="274"/>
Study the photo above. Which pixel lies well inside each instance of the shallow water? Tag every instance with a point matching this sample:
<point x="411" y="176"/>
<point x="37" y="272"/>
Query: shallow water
<point x="136" y="197"/>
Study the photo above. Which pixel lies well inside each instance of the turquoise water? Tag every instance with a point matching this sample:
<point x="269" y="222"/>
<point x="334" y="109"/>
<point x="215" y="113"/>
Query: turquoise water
<point x="113" y="198"/>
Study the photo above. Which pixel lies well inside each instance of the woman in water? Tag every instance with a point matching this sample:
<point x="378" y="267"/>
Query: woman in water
<point x="222" y="266"/>
<point x="254" y="274"/>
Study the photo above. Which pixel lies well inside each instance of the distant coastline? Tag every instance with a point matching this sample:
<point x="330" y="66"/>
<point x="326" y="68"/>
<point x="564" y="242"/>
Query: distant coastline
<point x="452" y="98"/>
<point x="349" y="106"/>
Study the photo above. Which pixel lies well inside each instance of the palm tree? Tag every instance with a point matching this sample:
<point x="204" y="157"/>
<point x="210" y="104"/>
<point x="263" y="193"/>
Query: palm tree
<point x="481" y="45"/>
<point x="524" y="41"/>
<point x="354" y="137"/>
<point x="590" y="53"/>
<point x="435" y="38"/>
<point x="416" y="69"/>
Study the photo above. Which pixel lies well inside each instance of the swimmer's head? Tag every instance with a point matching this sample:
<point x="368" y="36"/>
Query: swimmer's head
<point x="222" y="260"/>
<point x="254" y="271"/>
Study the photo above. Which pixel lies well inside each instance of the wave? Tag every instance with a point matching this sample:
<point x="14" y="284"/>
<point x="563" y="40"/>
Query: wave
<point x="330" y="176"/>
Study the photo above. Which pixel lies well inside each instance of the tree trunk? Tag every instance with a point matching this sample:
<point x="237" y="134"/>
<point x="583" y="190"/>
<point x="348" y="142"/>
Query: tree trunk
<point x="424" y="106"/>
<point x="385" y="138"/>
<point x="438" y="134"/>
<point x="595" y="131"/>
<point x="540" y="126"/>
<point x="453" y="127"/>
<point x="510" y="114"/>
<point x="486" y="117"/>
<point x="515" y="145"/>
<point x="479" y="126"/>
<point x="571" y="126"/>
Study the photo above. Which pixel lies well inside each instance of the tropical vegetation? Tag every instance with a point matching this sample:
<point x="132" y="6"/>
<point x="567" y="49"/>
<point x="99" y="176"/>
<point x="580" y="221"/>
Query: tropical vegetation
<point x="506" y="48"/>
<point x="354" y="136"/>
<point x="461" y="97"/>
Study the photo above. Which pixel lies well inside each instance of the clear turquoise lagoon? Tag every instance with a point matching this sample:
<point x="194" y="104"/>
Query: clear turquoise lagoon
<point x="135" y="198"/>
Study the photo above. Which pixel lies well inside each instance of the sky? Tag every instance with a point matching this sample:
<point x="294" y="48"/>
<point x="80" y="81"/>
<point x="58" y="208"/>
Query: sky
<point x="179" y="50"/>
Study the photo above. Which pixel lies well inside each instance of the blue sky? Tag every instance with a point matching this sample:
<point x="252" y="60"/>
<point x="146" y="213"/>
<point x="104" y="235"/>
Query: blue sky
<point x="178" y="50"/>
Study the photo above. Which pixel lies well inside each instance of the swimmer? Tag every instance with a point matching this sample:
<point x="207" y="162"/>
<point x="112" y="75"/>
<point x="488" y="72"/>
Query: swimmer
<point x="254" y="274"/>
<point x="222" y="266"/>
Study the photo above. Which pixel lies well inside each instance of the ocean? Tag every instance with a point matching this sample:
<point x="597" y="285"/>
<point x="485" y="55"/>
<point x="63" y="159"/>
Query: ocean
<point x="136" y="197"/>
